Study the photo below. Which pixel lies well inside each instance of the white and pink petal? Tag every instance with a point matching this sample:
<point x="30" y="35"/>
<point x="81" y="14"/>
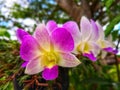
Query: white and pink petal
<point x="95" y="31"/>
<point x="34" y="66"/>
<point x="42" y="36"/>
<point x="73" y="28"/>
<point x="62" y="40"/>
<point x="95" y="48"/>
<point x="86" y="30"/>
<point x="68" y="60"/>
<point x="29" y="48"/>
<point x="51" y="26"/>
<point x="100" y="31"/>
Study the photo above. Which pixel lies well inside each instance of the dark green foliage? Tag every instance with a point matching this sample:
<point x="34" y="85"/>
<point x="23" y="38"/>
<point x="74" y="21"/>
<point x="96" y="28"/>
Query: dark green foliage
<point x="9" y="63"/>
<point x="4" y="32"/>
<point x="108" y="3"/>
<point x="115" y="34"/>
<point x="87" y="77"/>
<point x="40" y="10"/>
<point x="110" y="27"/>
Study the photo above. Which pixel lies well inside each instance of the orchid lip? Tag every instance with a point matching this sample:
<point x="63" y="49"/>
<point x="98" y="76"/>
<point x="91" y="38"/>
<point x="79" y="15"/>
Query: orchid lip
<point x="90" y="56"/>
<point x="110" y="49"/>
<point x="50" y="73"/>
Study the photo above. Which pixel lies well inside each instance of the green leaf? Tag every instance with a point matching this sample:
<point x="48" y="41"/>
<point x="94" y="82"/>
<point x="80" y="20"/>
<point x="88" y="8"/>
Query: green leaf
<point x="111" y="25"/>
<point x="109" y="3"/>
<point x="4" y="32"/>
<point x="115" y="35"/>
<point x="6" y="85"/>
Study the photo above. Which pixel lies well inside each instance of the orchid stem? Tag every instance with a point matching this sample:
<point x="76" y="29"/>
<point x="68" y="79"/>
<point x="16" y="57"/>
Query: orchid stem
<point x="116" y="60"/>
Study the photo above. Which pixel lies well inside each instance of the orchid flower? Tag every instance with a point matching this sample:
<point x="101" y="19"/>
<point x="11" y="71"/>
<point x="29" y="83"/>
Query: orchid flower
<point x="85" y="42"/>
<point x="84" y="39"/>
<point x="48" y="48"/>
<point x="89" y="40"/>
<point x="104" y="44"/>
<point x="20" y="34"/>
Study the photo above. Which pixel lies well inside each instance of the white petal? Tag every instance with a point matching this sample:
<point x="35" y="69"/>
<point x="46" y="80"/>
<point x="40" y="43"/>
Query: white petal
<point x="73" y="28"/>
<point x="68" y="60"/>
<point x="34" y="66"/>
<point x="100" y="31"/>
<point x="85" y="28"/>
<point x="42" y="36"/>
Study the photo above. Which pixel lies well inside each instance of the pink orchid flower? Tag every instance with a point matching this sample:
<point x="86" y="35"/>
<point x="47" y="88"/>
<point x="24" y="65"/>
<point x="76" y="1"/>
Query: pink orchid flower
<point x="89" y="40"/>
<point x="104" y="44"/>
<point x="85" y="38"/>
<point x="48" y="48"/>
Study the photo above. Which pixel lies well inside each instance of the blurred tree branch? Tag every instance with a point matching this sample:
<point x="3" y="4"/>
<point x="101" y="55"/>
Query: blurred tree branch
<point x="74" y="10"/>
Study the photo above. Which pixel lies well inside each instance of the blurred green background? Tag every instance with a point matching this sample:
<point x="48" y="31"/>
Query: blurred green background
<point x="101" y="75"/>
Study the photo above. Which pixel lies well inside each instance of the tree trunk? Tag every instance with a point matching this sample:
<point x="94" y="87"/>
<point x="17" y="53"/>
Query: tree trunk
<point x="74" y="10"/>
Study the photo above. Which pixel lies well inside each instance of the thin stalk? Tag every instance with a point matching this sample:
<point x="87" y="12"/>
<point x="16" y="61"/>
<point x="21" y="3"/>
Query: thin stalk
<point x="116" y="60"/>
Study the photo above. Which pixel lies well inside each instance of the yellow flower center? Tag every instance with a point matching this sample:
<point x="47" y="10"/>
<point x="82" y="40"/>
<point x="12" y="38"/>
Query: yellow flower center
<point x="101" y="43"/>
<point x="83" y="47"/>
<point x="50" y="58"/>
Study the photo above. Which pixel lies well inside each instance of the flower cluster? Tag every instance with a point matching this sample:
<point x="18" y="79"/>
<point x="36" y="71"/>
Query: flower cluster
<point x="51" y="46"/>
<point x="90" y="39"/>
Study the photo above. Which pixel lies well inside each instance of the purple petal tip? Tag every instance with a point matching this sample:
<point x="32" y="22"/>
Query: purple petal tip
<point x="20" y="34"/>
<point x="50" y="73"/>
<point x="111" y="50"/>
<point x="24" y="64"/>
<point x="90" y="56"/>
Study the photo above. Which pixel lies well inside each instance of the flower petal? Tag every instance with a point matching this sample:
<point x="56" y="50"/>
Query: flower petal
<point x="103" y="54"/>
<point x="90" y="56"/>
<point x="87" y="47"/>
<point x="100" y="31"/>
<point x="34" y="66"/>
<point x="110" y="49"/>
<point x="95" y="32"/>
<point x="68" y="60"/>
<point x="62" y="39"/>
<point x="73" y="28"/>
<point x="29" y="48"/>
<point x="105" y="44"/>
<point x="42" y="36"/>
<point x="95" y="48"/>
<point x="85" y="28"/>
<point x="50" y="73"/>
<point x="51" y="25"/>
<point x="20" y="34"/>
<point x="24" y="64"/>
